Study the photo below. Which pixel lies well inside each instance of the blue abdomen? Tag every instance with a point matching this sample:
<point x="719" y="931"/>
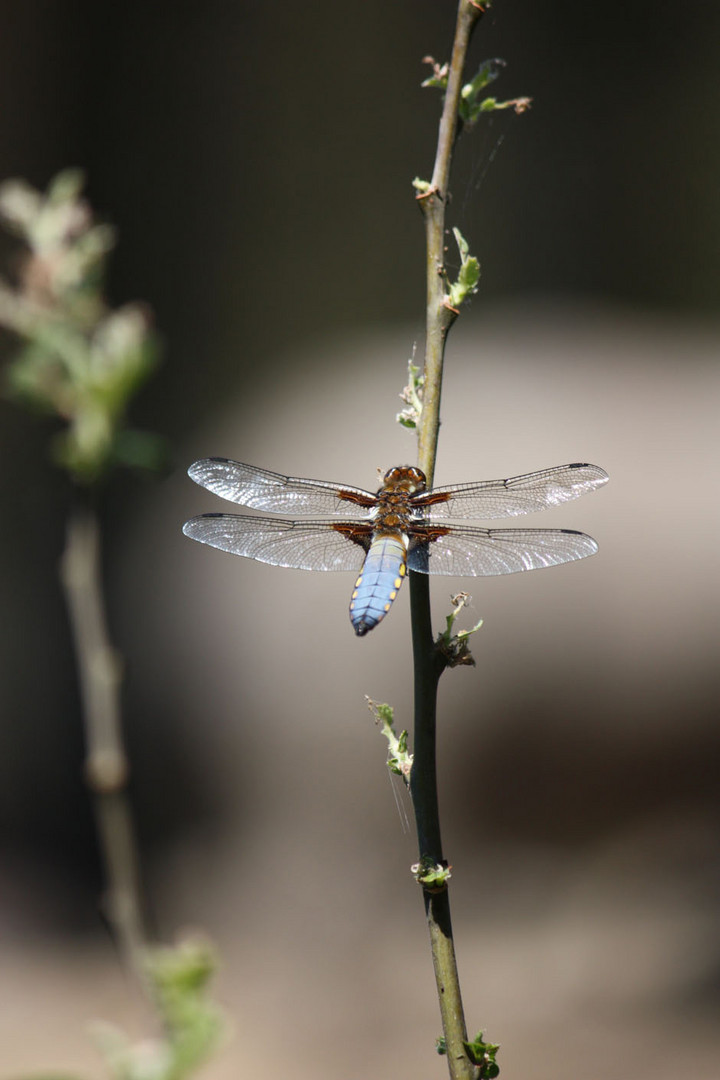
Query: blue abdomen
<point x="380" y="578"/>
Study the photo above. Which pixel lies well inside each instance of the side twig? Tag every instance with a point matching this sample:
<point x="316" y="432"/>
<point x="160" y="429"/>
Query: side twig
<point x="428" y="662"/>
<point x="106" y="764"/>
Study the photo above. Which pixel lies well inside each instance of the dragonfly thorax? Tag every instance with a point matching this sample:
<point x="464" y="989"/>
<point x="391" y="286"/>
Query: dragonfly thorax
<point x="394" y="511"/>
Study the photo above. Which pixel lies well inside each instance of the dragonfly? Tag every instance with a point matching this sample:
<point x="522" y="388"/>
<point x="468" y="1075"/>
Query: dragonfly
<point x="403" y="526"/>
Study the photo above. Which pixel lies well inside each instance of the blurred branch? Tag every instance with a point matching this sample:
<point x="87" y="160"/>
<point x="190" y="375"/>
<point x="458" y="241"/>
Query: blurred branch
<point x="106" y="763"/>
<point x="82" y="362"/>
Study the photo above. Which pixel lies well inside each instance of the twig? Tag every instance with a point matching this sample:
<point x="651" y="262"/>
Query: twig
<point x="106" y="764"/>
<point x="439" y="316"/>
<point x="428" y="662"/>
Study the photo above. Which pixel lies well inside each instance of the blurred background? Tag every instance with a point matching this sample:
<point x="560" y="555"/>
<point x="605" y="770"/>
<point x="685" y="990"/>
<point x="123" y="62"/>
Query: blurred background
<point x="257" y="163"/>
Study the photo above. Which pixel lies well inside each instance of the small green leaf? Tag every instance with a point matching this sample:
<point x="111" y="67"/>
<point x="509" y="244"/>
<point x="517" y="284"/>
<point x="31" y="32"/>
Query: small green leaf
<point x="399" y="759"/>
<point x="191" y="1024"/>
<point x="486" y="73"/>
<point x="519" y="105"/>
<point x="483" y="1055"/>
<point x="412" y="395"/>
<point x="19" y="206"/>
<point x="65" y="187"/>
<point x="439" y="76"/>
<point x="466" y="282"/>
<point x="433" y="876"/>
<point x="421" y="186"/>
<point x="455" y="647"/>
<point x="471" y="106"/>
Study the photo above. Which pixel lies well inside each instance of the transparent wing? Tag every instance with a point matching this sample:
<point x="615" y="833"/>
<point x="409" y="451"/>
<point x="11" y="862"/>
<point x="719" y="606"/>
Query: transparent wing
<point x="470" y="552"/>
<point x="303" y="545"/>
<point x="261" y="489"/>
<point x="518" y="495"/>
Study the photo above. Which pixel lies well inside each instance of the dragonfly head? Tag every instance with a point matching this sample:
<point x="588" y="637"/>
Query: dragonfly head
<point x="405" y="479"/>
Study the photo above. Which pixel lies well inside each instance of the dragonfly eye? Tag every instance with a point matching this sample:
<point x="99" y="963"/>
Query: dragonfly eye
<point x="417" y="478"/>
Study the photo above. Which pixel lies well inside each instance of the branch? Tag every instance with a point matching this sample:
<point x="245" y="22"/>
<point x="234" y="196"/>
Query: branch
<point x="106" y="764"/>
<point x="429" y="663"/>
<point x="440" y="317"/>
